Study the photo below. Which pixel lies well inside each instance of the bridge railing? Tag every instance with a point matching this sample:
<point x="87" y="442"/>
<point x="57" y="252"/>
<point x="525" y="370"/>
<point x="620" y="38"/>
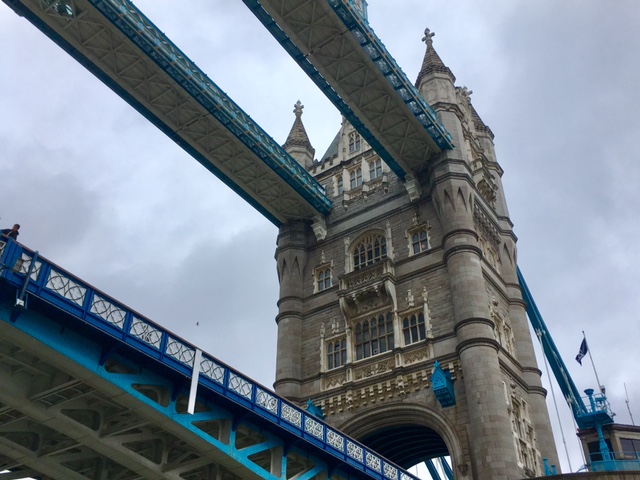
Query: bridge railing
<point x="620" y="462"/>
<point x="27" y="271"/>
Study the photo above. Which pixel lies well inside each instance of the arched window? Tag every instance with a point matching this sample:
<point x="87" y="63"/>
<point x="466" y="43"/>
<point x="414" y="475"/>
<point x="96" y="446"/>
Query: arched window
<point x="420" y="241"/>
<point x="375" y="169"/>
<point x="413" y="328"/>
<point x="369" y="250"/>
<point x="355" y="177"/>
<point x="336" y="354"/>
<point x="374" y="336"/>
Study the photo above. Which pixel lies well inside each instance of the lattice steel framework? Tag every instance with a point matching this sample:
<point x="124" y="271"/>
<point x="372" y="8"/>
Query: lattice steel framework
<point x="333" y="43"/>
<point x="92" y="389"/>
<point x="119" y="45"/>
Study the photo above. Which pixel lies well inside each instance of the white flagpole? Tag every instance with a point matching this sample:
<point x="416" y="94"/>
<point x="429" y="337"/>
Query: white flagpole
<point x="600" y="386"/>
<point x="626" y="394"/>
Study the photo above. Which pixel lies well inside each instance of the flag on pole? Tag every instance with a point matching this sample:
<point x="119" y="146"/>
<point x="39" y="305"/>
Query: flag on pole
<point x="583" y="351"/>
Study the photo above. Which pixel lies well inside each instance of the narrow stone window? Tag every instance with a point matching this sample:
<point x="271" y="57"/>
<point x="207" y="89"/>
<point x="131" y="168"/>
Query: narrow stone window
<point x="354" y="142"/>
<point x="370" y="250"/>
<point x="339" y="185"/>
<point x="374" y="336"/>
<point x="355" y="177"/>
<point x="336" y="353"/>
<point x="420" y="241"/>
<point x="375" y="169"/>
<point x="413" y="328"/>
<point x="323" y="278"/>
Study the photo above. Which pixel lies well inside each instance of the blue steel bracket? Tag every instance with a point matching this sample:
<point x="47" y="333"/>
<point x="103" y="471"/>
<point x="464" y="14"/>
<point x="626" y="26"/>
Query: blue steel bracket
<point x="313" y="409"/>
<point x="85" y="306"/>
<point x="443" y="386"/>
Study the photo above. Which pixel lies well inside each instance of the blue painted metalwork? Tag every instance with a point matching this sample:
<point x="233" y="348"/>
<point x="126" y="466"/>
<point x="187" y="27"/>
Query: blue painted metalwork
<point x="448" y="471"/>
<point x="132" y="331"/>
<point x="313" y="409"/>
<point x="597" y="412"/>
<point x="377" y="52"/>
<point x="144" y="34"/>
<point x="322" y="84"/>
<point x="443" y="386"/>
<point x="353" y="20"/>
<point x="433" y="471"/>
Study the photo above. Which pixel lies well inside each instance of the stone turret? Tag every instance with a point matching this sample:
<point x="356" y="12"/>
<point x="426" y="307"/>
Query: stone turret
<point x="298" y="144"/>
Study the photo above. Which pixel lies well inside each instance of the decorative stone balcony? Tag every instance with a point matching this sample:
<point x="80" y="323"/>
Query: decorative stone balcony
<point x="368" y="288"/>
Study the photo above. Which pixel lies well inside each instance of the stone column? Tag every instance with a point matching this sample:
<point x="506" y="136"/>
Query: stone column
<point x="493" y="453"/>
<point x="291" y="257"/>
<point x="531" y="374"/>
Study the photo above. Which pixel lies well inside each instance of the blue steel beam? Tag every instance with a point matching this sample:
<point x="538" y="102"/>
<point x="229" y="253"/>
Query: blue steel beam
<point x="217" y="382"/>
<point x="141" y="32"/>
<point x="551" y="352"/>
<point x="597" y="412"/>
<point x="350" y="19"/>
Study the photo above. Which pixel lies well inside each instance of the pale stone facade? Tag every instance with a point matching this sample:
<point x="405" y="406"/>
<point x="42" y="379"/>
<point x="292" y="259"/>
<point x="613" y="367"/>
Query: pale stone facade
<point x="408" y="273"/>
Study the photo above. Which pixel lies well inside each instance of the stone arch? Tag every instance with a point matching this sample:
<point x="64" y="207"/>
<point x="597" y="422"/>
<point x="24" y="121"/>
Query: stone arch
<point x="406" y="428"/>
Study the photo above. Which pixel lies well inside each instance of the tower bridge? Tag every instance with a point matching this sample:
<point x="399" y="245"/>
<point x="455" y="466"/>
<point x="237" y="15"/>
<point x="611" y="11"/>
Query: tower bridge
<point x="400" y="311"/>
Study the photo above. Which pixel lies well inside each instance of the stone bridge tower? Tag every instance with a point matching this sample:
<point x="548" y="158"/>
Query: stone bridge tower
<point x="403" y="318"/>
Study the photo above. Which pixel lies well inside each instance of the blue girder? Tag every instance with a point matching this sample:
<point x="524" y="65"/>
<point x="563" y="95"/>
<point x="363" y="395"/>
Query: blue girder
<point x="355" y="22"/>
<point x="145" y="35"/>
<point x="91" y="309"/>
<point x="597" y="413"/>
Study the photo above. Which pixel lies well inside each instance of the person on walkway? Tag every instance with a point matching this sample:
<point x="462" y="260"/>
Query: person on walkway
<point x="11" y="232"/>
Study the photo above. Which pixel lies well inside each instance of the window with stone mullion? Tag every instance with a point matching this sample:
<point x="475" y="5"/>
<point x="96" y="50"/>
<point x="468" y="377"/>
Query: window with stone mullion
<point x="374" y="336"/>
<point x="413" y="328"/>
<point x="369" y="252"/>
<point x="336" y="354"/>
<point x="375" y="169"/>
<point x="324" y="279"/>
<point x="420" y="241"/>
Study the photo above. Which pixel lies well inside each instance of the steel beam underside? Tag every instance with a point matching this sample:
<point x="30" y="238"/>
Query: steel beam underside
<point x="66" y="410"/>
<point x="120" y="46"/>
<point x="336" y="47"/>
<point x="128" y="358"/>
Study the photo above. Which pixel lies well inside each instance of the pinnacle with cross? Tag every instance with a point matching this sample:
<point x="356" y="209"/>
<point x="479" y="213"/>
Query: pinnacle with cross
<point x="428" y="37"/>
<point x="297" y="109"/>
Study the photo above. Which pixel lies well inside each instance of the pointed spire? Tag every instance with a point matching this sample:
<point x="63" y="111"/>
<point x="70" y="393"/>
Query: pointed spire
<point x="432" y="62"/>
<point x="298" y="144"/>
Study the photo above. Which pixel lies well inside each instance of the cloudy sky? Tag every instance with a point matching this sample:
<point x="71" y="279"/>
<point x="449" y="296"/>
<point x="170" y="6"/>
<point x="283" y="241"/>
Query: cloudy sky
<point x="101" y="192"/>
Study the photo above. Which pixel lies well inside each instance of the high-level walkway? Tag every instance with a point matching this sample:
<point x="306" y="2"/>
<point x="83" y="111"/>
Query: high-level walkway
<point x="93" y="390"/>
<point x="333" y="43"/>
<point x="330" y="39"/>
<point x="125" y="50"/>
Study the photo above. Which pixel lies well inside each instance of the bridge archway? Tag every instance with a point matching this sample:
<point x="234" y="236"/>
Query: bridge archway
<point x="406" y="434"/>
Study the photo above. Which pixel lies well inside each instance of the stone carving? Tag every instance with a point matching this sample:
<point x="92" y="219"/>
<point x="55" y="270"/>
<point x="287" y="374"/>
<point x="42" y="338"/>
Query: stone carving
<point x="410" y="299"/>
<point x="373" y="369"/>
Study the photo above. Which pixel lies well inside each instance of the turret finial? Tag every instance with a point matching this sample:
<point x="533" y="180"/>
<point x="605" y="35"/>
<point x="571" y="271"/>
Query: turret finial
<point x="428" y="37"/>
<point x="297" y="109"/>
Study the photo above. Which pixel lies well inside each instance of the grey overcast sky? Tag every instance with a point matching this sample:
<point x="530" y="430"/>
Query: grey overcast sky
<point x="102" y="193"/>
